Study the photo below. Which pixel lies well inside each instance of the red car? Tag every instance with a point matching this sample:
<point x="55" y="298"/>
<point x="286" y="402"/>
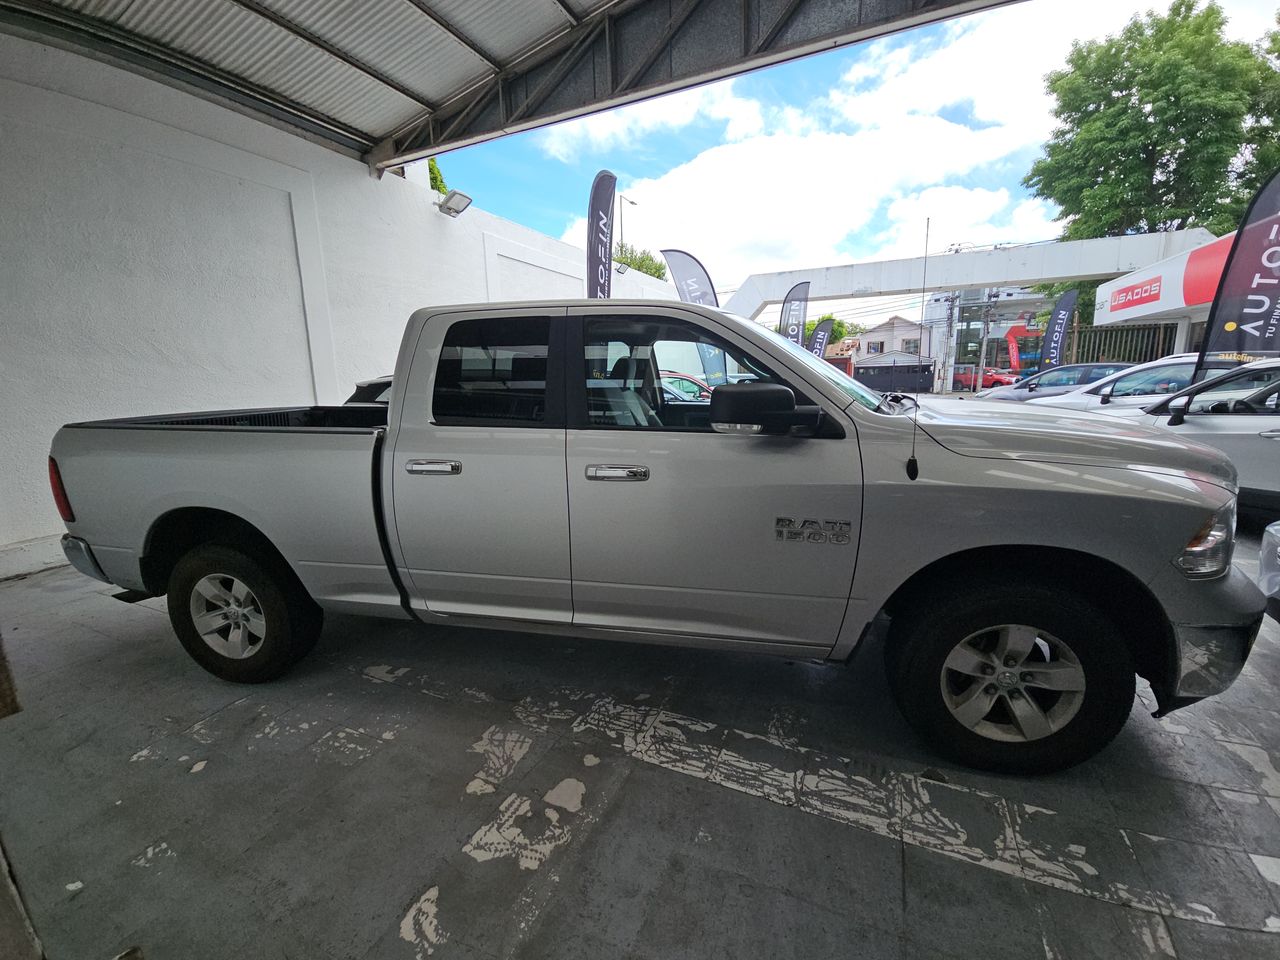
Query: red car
<point x="686" y="384"/>
<point x="991" y="377"/>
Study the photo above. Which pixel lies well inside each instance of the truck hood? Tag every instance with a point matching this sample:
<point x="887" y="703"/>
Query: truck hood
<point x="1009" y="431"/>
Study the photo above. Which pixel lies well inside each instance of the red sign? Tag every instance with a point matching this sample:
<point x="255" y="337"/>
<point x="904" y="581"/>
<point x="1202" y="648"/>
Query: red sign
<point x="1145" y="291"/>
<point x="1204" y="270"/>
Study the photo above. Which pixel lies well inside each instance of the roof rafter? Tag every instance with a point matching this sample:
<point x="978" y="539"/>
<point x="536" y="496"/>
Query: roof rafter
<point x="302" y="33"/>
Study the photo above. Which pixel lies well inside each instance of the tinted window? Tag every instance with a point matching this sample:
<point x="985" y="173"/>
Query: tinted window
<point x="622" y="363"/>
<point x="1167" y="379"/>
<point x="1252" y="391"/>
<point x="493" y="370"/>
<point x="1060" y="378"/>
<point x="1097" y="373"/>
<point x="685" y="386"/>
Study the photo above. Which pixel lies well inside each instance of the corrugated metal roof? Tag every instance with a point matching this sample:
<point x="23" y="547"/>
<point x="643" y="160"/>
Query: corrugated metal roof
<point x="397" y="80"/>
<point x="503" y="35"/>
<point x="225" y="35"/>
<point x="395" y="37"/>
<point x="402" y="41"/>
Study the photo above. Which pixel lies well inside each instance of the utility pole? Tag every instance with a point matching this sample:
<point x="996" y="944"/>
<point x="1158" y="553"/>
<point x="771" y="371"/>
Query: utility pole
<point x="622" y="235"/>
<point x="946" y="373"/>
<point x="986" y="331"/>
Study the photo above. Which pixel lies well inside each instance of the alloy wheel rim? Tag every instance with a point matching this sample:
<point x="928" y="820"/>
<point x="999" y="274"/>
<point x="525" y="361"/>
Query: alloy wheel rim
<point x="1013" y="683"/>
<point x="228" y="616"/>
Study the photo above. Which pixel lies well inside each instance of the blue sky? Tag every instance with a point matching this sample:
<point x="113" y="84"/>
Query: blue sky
<point x="838" y="157"/>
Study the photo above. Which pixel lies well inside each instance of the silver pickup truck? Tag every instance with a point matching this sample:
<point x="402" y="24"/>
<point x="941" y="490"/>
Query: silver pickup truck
<point x="531" y="473"/>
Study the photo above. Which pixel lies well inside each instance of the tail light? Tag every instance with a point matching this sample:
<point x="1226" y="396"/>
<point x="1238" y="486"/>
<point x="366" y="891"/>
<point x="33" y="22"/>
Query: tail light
<point x="60" y="492"/>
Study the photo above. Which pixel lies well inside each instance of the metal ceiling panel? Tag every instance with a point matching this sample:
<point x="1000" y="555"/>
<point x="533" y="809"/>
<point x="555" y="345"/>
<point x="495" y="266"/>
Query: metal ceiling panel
<point x="240" y="42"/>
<point x="395" y="37"/>
<point x="498" y="28"/>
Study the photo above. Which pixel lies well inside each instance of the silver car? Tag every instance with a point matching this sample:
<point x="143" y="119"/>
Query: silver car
<point x="1053" y="382"/>
<point x="1239" y="413"/>
<point x="1138" y="386"/>
<point x="1020" y="564"/>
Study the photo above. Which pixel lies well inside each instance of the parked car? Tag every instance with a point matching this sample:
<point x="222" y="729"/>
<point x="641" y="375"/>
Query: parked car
<point x="1021" y="564"/>
<point x="991" y="377"/>
<point x="691" y="387"/>
<point x="1239" y="413"/>
<point x="377" y="390"/>
<point x="1053" y="382"/>
<point x="1140" y="385"/>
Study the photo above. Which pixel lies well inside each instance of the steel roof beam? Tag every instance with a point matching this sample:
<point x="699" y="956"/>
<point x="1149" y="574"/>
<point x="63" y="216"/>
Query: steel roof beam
<point x="656" y="47"/>
<point x="489" y="60"/>
<point x="333" y="50"/>
<point x="568" y="14"/>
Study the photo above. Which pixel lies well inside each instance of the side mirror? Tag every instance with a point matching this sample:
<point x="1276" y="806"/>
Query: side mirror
<point x="1178" y="407"/>
<point x="746" y="409"/>
<point x="1032" y="386"/>
<point x="1106" y="393"/>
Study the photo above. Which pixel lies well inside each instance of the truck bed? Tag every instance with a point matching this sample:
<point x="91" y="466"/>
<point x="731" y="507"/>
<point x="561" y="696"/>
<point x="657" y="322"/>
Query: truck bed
<point x="305" y="477"/>
<point x="360" y="417"/>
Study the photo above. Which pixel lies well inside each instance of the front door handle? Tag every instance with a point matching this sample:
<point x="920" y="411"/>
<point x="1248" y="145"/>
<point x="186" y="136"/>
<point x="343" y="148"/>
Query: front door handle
<point x="444" y="467"/>
<point x="1270" y="434"/>
<point x="616" y="471"/>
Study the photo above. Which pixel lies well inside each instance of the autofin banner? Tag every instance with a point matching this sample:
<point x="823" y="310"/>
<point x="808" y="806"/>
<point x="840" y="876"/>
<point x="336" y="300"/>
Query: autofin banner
<point x="1245" y="317"/>
<point x="714" y="366"/>
<point x="794" y="308"/>
<point x="1055" y="334"/>
<point x="690" y="277"/>
<point x="600" y="236"/>
<point x="821" y="334"/>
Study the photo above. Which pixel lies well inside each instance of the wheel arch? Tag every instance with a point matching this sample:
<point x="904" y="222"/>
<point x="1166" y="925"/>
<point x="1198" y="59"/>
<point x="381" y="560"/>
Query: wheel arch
<point x="1121" y="595"/>
<point x="179" y="531"/>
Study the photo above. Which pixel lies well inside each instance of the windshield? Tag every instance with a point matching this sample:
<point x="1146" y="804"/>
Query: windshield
<point x="833" y="375"/>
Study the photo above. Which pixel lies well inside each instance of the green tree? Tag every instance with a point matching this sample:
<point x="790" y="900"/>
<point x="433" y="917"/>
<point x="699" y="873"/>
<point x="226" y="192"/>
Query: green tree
<point x="1168" y="125"/>
<point x="839" y="328"/>
<point x="1087" y="297"/>
<point x="642" y="260"/>
<point x="437" y="178"/>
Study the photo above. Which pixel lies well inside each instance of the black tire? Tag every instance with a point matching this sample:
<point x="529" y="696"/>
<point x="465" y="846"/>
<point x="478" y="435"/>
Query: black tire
<point x="922" y="639"/>
<point x="292" y="619"/>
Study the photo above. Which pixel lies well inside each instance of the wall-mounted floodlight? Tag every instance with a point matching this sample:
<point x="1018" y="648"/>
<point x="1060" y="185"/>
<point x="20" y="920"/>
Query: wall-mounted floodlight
<point x="622" y="268"/>
<point x="454" y="202"/>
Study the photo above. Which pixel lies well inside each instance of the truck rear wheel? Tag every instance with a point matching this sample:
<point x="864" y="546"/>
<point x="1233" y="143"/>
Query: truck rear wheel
<point x="238" y="617"/>
<point x="1011" y="677"/>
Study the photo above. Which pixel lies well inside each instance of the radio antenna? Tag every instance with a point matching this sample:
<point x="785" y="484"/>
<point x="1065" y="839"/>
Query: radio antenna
<point x="913" y="465"/>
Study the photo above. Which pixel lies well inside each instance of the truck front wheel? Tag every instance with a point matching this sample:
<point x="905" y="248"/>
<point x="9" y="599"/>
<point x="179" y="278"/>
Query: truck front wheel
<point x="1011" y="677"/>
<point x="237" y="617"/>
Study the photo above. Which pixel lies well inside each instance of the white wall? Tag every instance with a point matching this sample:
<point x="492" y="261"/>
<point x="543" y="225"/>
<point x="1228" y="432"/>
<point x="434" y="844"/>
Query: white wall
<point x="158" y="253"/>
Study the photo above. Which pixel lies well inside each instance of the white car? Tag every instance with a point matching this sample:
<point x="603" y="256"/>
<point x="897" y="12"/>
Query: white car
<point x="1239" y="413"/>
<point x="1138" y="386"/>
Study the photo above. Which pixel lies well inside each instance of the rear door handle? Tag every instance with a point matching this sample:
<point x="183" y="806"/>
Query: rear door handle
<point x="444" y="467"/>
<point x="1270" y="434"/>
<point x="616" y="471"/>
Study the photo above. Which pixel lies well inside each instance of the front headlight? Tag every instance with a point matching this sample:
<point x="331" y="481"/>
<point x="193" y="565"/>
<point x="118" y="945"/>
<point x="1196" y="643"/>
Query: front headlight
<point x="1209" y="552"/>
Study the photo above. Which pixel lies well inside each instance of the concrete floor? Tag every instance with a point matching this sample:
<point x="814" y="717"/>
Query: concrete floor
<point x="453" y="793"/>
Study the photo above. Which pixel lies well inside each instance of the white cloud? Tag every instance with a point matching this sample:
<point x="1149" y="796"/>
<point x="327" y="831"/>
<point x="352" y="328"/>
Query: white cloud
<point x="786" y="200"/>
<point x="873" y="158"/>
<point x="742" y="117"/>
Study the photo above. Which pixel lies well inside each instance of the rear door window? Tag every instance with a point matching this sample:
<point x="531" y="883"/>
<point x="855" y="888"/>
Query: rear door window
<point x="493" y="371"/>
<point x="1060" y="378"/>
<point x="1169" y="378"/>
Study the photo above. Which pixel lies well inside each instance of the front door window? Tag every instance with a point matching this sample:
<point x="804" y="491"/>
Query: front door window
<point x="624" y="360"/>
